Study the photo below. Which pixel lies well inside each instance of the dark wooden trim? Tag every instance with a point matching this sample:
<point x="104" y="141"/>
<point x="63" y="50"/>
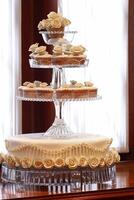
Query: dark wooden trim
<point x="130" y="154"/>
<point x="127" y="194"/>
<point x="131" y="75"/>
<point x="127" y="156"/>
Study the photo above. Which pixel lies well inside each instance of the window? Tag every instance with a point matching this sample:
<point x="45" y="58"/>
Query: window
<point x="10" y="115"/>
<point x="103" y="28"/>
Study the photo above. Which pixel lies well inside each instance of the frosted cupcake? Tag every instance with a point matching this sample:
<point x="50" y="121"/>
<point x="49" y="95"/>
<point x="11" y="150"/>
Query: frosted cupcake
<point x="40" y="54"/>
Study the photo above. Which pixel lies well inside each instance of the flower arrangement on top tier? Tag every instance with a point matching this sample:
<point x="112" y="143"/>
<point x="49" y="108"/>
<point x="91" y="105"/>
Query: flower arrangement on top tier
<point x="55" y="24"/>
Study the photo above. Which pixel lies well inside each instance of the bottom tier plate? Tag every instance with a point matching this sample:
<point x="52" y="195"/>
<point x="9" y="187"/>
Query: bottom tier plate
<point x="76" y="178"/>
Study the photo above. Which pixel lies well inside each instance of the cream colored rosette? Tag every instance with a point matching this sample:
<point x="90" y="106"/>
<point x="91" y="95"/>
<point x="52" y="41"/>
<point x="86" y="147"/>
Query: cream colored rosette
<point x="78" y="85"/>
<point x="26" y="83"/>
<point x="109" y="159"/>
<point x="77" y="50"/>
<point x="65" y="21"/>
<point x="38" y="164"/>
<point x="73" y="82"/>
<point x="48" y="163"/>
<point x="116" y="156"/>
<point x="56" y="23"/>
<point x="66" y="49"/>
<point x="72" y="163"/>
<point x="57" y="50"/>
<point x="41" y="50"/>
<point x="1" y="158"/>
<point x="83" y="162"/>
<point x="9" y="160"/>
<point x="53" y="15"/>
<point x="43" y="24"/>
<point x="102" y="162"/>
<point x="30" y="85"/>
<point x="57" y="20"/>
<point x="47" y="23"/>
<point x="26" y="163"/>
<point x="33" y="47"/>
<point x="66" y="86"/>
<point x="59" y="162"/>
<point x="93" y="162"/>
<point x="43" y="84"/>
<point x="17" y="162"/>
<point x="88" y="84"/>
<point x="37" y="83"/>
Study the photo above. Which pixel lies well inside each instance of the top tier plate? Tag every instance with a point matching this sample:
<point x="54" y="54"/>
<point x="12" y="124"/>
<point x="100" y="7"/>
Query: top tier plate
<point x="50" y="38"/>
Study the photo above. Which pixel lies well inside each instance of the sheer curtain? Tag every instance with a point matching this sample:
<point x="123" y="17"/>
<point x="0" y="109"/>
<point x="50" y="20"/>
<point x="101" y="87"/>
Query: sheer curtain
<point x="10" y="67"/>
<point x="102" y="29"/>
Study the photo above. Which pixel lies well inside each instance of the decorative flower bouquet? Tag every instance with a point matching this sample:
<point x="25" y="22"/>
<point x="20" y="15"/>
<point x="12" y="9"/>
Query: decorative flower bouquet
<point x="54" y="24"/>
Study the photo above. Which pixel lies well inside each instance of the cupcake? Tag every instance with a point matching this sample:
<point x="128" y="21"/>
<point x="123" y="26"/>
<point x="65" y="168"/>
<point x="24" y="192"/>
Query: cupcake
<point x="45" y="59"/>
<point x="76" y="90"/>
<point x="40" y="55"/>
<point x="29" y="89"/>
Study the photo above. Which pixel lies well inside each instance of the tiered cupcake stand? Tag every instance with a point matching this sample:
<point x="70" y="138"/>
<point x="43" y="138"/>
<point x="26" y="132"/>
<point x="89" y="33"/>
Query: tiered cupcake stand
<point x="71" y="179"/>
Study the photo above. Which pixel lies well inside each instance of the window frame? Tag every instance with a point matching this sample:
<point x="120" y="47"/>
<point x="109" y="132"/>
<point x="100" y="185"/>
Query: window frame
<point x="130" y="154"/>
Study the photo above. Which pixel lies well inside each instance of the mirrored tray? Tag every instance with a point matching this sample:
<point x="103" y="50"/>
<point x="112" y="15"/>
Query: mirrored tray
<point x="34" y="64"/>
<point x="60" y="40"/>
<point x="40" y="99"/>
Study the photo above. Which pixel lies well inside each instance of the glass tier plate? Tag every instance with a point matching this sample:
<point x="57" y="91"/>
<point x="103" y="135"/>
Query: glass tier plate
<point x="40" y="99"/>
<point x="58" y="41"/>
<point x="34" y="64"/>
<point x="76" y="178"/>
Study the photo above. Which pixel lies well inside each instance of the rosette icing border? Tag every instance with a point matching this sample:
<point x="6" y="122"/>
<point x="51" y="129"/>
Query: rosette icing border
<point x="111" y="157"/>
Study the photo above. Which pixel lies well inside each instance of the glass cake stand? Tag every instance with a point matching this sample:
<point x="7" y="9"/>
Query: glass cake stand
<point x="75" y="179"/>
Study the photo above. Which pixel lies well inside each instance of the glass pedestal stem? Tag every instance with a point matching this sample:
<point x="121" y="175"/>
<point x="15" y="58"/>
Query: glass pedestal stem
<point x="58" y="108"/>
<point x="59" y="129"/>
<point x="58" y="78"/>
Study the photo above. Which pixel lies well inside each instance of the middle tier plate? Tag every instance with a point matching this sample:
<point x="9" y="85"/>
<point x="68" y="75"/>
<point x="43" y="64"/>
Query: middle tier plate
<point x="53" y="99"/>
<point x="40" y="99"/>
